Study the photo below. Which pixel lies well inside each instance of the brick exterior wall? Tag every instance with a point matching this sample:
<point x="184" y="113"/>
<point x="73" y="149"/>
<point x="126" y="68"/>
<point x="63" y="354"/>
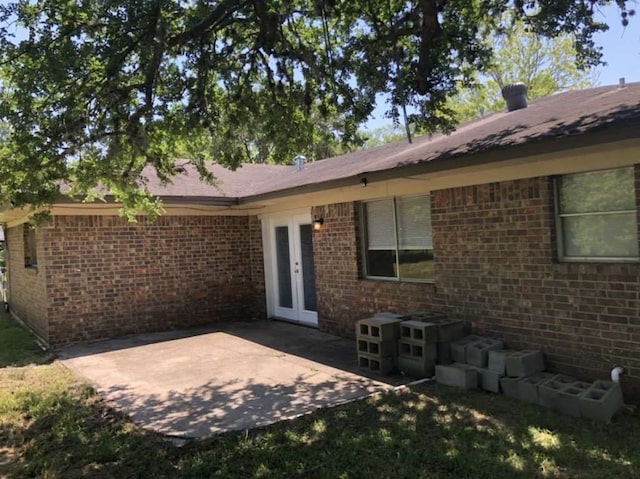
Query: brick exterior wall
<point x="496" y="266"/>
<point x="107" y="277"/>
<point x="27" y="285"/>
<point x="343" y="297"/>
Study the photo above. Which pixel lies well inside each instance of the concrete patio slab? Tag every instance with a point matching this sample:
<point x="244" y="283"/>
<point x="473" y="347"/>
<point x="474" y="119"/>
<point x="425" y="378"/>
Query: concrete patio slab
<point x="231" y="376"/>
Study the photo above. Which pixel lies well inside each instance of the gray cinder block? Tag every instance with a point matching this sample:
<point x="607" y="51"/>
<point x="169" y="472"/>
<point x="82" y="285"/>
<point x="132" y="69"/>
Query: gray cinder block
<point x="457" y="375"/>
<point x="376" y="347"/>
<point x="378" y="328"/>
<point x="458" y="348"/>
<point x="409" y="349"/>
<point x="443" y="355"/>
<point x="418" y="332"/>
<point x="549" y="390"/>
<point x="387" y="314"/>
<point x="528" y="386"/>
<point x="601" y="401"/>
<point x="509" y="387"/>
<point x="376" y="364"/>
<point x="524" y="363"/>
<point x="477" y="353"/>
<point x="488" y="380"/>
<point x="498" y="361"/>
<point x="416" y="367"/>
<point x="568" y="400"/>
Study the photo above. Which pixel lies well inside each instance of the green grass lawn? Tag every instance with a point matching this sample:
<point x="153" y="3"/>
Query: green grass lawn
<point x="53" y="426"/>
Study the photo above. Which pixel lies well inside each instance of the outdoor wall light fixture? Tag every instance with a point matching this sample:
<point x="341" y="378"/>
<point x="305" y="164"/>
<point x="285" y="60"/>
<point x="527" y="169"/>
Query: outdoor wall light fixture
<point x="318" y="221"/>
<point x="363" y="182"/>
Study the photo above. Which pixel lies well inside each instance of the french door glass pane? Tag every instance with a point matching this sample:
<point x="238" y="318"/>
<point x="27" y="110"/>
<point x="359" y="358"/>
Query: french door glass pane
<point x="285" y="296"/>
<point x="308" y="268"/>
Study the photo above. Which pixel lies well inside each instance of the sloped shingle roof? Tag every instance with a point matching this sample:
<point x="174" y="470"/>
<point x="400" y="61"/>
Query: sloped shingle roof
<point x="565" y="114"/>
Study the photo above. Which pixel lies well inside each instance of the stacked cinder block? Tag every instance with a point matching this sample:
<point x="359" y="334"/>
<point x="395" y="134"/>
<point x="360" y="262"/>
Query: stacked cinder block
<point x="449" y="331"/>
<point x="481" y="362"/>
<point x="601" y="401"/>
<point x="417" y="349"/>
<point x="527" y="387"/>
<point x="477" y="355"/>
<point x="458" y="375"/>
<point x="562" y="394"/>
<point x="376" y="340"/>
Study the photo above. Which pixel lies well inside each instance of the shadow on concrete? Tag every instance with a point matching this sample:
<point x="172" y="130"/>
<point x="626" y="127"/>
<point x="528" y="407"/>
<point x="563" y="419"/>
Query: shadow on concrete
<point x="239" y="375"/>
<point x="234" y="405"/>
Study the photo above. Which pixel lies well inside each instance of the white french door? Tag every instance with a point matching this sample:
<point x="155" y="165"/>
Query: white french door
<point x="289" y="269"/>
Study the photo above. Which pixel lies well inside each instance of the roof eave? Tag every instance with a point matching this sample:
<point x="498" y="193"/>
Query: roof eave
<point x="545" y="145"/>
<point x="170" y="200"/>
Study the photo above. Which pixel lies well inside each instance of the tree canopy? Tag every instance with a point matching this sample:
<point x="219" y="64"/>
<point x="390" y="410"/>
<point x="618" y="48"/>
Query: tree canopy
<point x="544" y="65"/>
<point x="92" y="91"/>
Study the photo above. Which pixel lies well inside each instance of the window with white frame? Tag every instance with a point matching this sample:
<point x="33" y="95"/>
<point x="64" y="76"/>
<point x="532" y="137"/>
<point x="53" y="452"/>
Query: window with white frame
<point x="398" y="238"/>
<point x="596" y="216"/>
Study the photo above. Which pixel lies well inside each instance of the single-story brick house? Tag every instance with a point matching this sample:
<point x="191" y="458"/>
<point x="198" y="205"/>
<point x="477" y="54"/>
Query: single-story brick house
<point x="524" y="223"/>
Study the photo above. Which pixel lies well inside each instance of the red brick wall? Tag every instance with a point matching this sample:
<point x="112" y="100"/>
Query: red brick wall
<point x="108" y="277"/>
<point x="343" y="297"/>
<point x="27" y="286"/>
<point x="496" y="265"/>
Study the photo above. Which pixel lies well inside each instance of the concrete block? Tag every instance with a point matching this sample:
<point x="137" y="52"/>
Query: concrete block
<point x="457" y="375"/>
<point x="409" y="349"/>
<point x="458" y="348"/>
<point x="549" y="390"/>
<point x="509" y="387"/>
<point x="376" y="347"/>
<point x="418" y="332"/>
<point x="450" y="329"/>
<point x="568" y="400"/>
<point x="528" y="386"/>
<point x="416" y="367"/>
<point x="524" y="363"/>
<point x="378" y="328"/>
<point x="488" y="380"/>
<point x="497" y="361"/>
<point x="601" y="401"/>
<point x="426" y="316"/>
<point x="443" y="355"/>
<point x="376" y="364"/>
<point x="477" y="353"/>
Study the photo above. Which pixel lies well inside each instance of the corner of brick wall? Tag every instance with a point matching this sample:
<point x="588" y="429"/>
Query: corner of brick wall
<point x="28" y="298"/>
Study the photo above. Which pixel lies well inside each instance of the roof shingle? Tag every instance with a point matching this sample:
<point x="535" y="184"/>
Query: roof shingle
<point x="560" y="115"/>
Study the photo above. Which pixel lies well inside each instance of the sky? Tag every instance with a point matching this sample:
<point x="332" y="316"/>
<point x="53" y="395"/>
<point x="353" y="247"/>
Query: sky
<point x="620" y="48"/>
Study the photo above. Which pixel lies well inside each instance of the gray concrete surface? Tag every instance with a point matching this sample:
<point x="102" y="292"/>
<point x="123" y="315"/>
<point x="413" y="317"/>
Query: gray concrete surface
<point x="231" y="376"/>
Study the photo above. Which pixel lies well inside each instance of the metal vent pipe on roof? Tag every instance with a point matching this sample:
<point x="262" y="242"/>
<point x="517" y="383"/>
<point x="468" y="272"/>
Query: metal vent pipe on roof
<point x="299" y="161"/>
<point x="515" y="95"/>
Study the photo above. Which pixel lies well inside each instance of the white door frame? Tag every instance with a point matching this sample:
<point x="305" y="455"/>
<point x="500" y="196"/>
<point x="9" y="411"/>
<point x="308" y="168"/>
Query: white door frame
<point x="297" y="313"/>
